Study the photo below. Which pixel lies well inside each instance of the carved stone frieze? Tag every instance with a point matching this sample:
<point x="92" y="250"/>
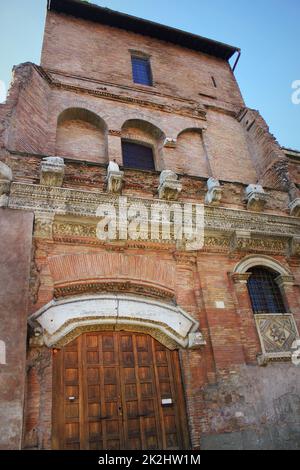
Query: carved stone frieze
<point x="266" y="232"/>
<point x="130" y="287"/>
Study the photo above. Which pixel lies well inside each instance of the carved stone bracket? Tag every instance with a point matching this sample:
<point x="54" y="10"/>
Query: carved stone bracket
<point x="52" y="171"/>
<point x="114" y="178"/>
<point x="169" y="186"/>
<point x="294" y="207"/>
<point x="196" y="340"/>
<point x="214" y="193"/>
<point x="256" y="197"/>
<point x="170" y="143"/>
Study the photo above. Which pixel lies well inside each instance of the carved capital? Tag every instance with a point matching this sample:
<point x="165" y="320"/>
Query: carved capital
<point x="285" y="280"/>
<point x="240" y="278"/>
<point x="43" y="225"/>
<point x="184" y="258"/>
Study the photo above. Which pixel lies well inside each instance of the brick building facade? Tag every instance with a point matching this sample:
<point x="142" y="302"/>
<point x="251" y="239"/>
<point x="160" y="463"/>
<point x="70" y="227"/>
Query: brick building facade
<point x="143" y="343"/>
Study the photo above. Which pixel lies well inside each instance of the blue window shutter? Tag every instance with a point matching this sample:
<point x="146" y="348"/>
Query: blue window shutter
<point x="141" y="71"/>
<point x="137" y="156"/>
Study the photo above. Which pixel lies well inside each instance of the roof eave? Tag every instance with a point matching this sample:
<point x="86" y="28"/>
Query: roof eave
<point x="116" y="19"/>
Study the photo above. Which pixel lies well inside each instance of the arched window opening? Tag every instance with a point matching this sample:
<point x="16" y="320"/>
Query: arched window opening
<point x="264" y="291"/>
<point x="137" y="156"/>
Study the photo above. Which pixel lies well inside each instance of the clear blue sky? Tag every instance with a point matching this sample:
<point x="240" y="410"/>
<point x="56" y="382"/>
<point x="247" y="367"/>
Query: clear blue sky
<point x="267" y="31"/>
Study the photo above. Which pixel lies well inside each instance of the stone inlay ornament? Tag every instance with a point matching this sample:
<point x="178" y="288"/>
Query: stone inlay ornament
<point x="277" y="332"/>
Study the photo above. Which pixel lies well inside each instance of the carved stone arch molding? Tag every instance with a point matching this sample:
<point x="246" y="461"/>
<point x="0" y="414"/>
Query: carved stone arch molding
<point x="253" y="260"/>
<point x="64" y="320"/>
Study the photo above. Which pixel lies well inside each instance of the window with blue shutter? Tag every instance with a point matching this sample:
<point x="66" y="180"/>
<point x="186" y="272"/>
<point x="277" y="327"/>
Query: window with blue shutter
<point x="137" y="156"/>
<point x="141" y="70"/>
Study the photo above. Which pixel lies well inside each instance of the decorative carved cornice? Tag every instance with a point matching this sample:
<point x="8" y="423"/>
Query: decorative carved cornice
<point x="96" y="287"/>
<point x="240" y="230"/>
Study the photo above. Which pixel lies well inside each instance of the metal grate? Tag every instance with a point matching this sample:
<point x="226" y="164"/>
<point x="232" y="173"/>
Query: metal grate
<point x="264" y="292"/>
<point x="137" y="156"/>
<point x="141" y="71"/>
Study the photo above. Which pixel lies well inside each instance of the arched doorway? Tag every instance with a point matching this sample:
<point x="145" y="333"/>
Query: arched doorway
<point x="118" y="390"/>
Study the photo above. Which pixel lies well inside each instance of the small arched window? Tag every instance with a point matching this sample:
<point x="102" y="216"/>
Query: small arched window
<point x="264" y="291"/>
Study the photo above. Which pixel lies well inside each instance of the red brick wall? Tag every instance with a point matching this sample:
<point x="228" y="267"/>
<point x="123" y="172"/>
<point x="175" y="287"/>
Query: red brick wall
<point x="103" y="53"/>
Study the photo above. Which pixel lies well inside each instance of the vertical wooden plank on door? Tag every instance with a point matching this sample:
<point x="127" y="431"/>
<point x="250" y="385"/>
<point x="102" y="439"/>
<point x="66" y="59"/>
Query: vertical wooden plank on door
<point x="181" y="400"/>
<point x="83" y="409"/>
<point x="58" y="401"/>
<point x="159" y="394"/>
<point x="171" y="413"/>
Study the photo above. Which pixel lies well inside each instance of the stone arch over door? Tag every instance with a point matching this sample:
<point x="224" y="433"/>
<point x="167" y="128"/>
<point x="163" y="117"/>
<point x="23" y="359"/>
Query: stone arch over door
<point x="64" y="320"/>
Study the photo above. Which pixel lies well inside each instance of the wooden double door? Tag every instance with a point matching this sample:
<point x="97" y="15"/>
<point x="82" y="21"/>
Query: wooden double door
<point x="118" y="390"/>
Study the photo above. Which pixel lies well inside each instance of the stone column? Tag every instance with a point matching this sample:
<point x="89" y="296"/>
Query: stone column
<point x="250" y="339"/>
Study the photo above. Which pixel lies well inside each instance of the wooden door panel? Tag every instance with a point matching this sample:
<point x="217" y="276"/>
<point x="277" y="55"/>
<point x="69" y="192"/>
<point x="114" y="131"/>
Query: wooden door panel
<point x="109" y="390"/>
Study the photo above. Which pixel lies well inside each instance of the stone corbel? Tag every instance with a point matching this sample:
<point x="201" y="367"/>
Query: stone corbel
<point x="5" y="182"/>
<point x="169" y="186"/>
<point x="196" y="340"/>
<point x="170" y="143"/>
<point x="52" y="171"/>
<point x="294" y="207"/>
<point x="214" y="193"/>
<point x="114" y="178"/>
<point x="255" y="197"/>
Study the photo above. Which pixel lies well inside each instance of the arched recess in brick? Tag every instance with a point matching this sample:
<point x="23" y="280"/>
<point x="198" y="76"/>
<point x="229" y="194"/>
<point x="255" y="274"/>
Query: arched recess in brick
<point x="82" y="135"/>
<point x="190" y="153"/>
<point x="147" y="134"/>
<point x="77" y="274"/>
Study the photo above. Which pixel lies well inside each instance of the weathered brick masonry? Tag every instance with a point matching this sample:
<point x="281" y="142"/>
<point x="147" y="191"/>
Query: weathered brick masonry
<point x="79" y="104"/>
